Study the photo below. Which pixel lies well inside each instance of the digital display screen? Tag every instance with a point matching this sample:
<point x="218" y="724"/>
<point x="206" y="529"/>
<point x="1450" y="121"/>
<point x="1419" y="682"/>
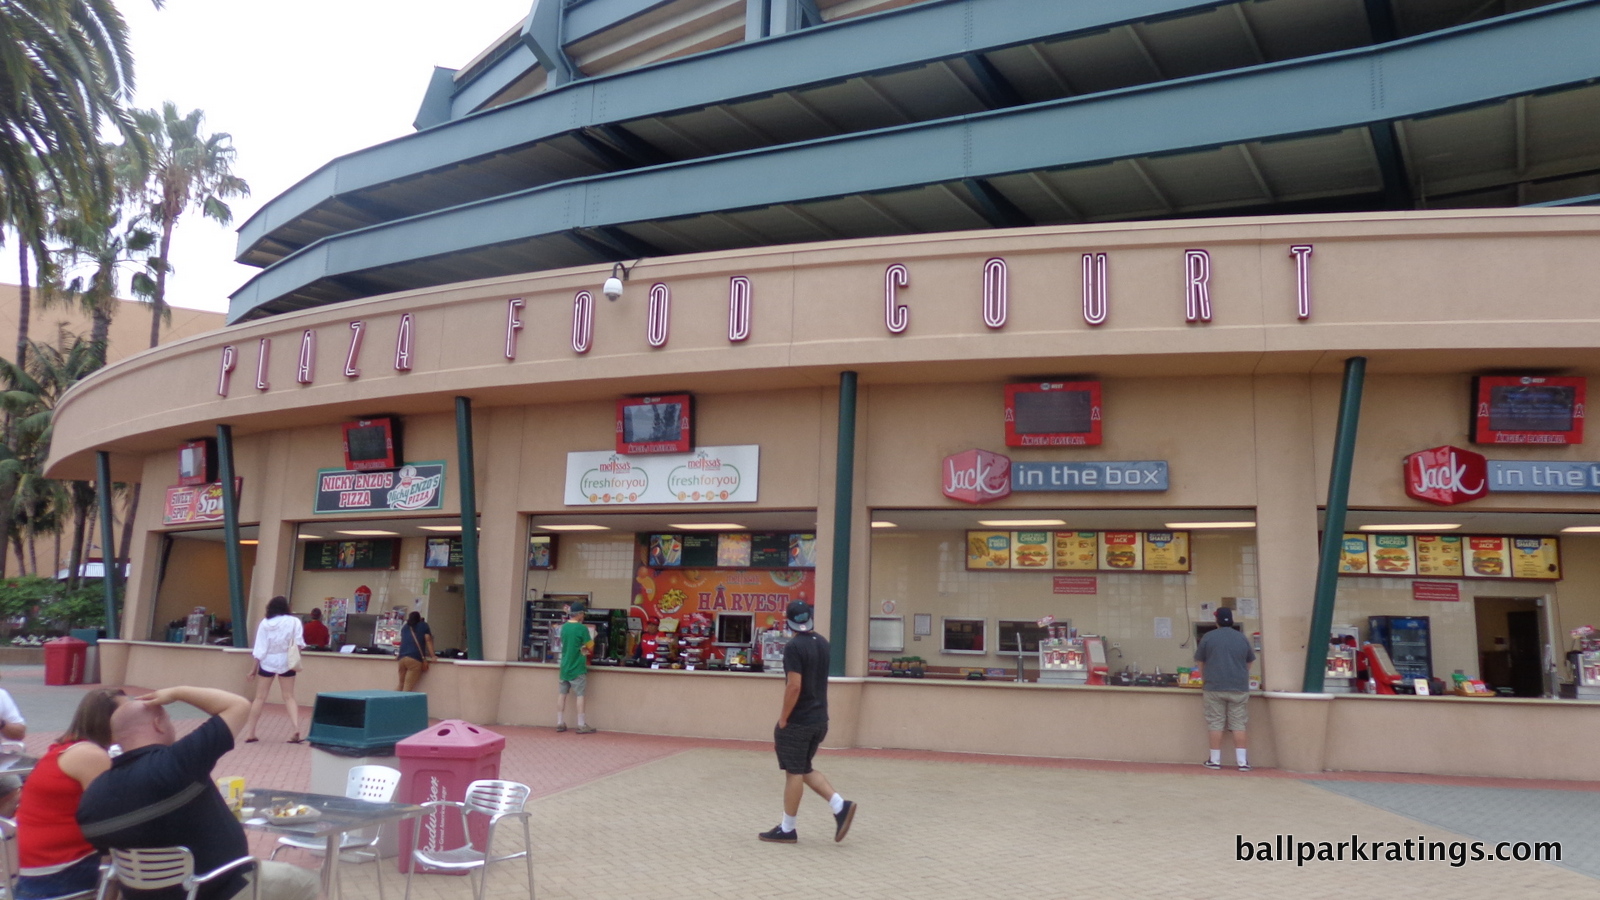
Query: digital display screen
<point x="655" y="424"/>
<point x="196" y="462"/>
<point x="652" y="422"/>
<point x="1528" y="409"/>
<point x="1053" y="414"/>
<point x="1531" y="408"/>
<point x="371" y="444"/>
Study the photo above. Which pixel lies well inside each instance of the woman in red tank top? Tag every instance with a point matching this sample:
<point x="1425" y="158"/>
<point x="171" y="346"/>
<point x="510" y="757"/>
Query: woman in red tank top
<point x="52" y="855"/>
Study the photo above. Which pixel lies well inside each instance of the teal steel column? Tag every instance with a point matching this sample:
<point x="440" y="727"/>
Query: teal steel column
<point x="108" y="546"/>
<point x="469" y="527"/>
<point x="230" y="536"/>
<point x="844" y="483"/>
<point x="1344" y="451"/>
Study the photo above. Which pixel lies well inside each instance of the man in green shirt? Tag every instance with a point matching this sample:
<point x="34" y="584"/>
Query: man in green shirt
<point x="574" y="675"/>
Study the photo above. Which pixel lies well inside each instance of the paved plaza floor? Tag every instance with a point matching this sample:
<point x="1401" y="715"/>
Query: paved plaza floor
<point x="635" y="816"/>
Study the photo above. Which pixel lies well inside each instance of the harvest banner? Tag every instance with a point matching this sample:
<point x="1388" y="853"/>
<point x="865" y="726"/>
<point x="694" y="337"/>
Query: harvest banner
<point x="677" y="593"/>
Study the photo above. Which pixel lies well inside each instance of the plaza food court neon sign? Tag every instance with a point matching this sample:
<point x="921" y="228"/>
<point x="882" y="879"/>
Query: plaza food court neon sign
<point x="993" y="301"/>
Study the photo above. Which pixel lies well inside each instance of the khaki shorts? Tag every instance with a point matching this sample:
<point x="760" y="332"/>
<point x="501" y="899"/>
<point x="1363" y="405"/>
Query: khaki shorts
<point x="1227" y="710"/>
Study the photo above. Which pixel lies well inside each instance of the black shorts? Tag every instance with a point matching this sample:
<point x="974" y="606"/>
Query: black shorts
<point x="265" y="674"/>
<point x="797" y="746"/>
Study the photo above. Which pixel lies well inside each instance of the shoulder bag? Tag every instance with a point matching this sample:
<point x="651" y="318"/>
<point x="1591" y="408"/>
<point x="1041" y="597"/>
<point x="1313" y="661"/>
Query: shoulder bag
<point x="422" y="651"/>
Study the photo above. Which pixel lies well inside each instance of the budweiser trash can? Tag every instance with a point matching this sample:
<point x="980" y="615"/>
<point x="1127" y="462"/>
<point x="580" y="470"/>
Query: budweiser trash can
<point x="438" y="763"/>
<point x="64" y="660"/>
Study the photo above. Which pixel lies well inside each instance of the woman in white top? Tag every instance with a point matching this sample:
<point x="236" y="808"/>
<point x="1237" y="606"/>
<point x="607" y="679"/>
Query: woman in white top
<point x="274" y="636"/>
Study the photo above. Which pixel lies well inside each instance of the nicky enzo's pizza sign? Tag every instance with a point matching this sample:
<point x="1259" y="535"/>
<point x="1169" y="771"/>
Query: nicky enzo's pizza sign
<point x="410" y="487"/>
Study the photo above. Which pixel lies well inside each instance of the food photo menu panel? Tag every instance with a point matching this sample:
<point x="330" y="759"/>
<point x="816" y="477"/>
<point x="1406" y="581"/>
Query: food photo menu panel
<point x="1451" y="556"/>
<point x="1082" y="551"/>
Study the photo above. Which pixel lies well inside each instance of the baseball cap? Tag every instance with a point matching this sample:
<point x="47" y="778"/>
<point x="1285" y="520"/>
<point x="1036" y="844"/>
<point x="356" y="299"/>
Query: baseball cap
<point x="799" y="616"/>
<point x="1224" y="616"/>
<point x="577" y="606"/>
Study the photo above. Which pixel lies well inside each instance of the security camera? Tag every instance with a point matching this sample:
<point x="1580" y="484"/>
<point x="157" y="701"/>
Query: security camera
<point x="613" y="285"/>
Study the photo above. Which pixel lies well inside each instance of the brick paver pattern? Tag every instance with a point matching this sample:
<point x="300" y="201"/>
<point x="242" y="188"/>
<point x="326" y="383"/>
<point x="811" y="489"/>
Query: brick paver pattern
<point x="619" y="816"/>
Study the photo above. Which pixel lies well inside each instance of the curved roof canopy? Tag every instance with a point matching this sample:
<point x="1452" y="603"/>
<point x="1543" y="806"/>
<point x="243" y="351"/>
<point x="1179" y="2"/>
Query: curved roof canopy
<point x="940" y="125"/>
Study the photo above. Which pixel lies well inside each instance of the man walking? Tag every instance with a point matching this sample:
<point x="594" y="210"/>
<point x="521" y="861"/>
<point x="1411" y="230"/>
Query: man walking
<point x="159" y="792"/>
<point x="574" y="676"/>
<point x="1225" y="656"/>
<point x="802" y="724"/>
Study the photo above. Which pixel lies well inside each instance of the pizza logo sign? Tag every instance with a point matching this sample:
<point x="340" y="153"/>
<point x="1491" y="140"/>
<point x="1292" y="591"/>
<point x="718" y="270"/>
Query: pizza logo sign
<point x="414" y="491"/>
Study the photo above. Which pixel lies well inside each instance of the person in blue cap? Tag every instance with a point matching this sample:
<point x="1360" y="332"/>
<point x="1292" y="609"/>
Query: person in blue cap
<point x="802" y="724"/>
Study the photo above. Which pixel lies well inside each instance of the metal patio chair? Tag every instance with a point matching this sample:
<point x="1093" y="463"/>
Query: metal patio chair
<point x="154" y="868"/>
<point x="496" y="799"/>
<point x="374" y="783"/>
<point x="9" y="869"/>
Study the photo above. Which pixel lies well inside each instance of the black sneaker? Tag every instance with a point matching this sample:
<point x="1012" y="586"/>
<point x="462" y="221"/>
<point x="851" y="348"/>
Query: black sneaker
<point x="1211" y="765"/>
<point x="843" y="817"/>
<point x="778" y="836"/>
<point x="1244" y="767"/>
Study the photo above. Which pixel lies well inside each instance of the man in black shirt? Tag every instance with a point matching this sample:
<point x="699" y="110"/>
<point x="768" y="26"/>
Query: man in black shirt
<point x="802" y="724"/>
<point x="159" y="793"/>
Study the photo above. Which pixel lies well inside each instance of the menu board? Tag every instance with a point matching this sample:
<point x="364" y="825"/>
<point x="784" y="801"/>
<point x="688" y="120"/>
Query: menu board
<point x="1392" y="554"/>
<point x="733" y="551"/>
<point x="1166" y="551"/>
<point x="1121" y="550"/>
<point x="1487" y="557"/>
<point x="1080" y="551"/>
<point x="802" y="551"/>
<point x="1353" y="555"/>
<point x="699" y="551"/>
<point x="1535" y="557"/>
<point x="1451" y="556"/>
<point x="769" y="551"/>
<point x="1439" y="555"/>
<point x="380" y="554"/>
<point x="1077" y="550"/>
<point x="1030" y="549"/>
<point x="988" y="549"/>
<point x="666" y="550"/>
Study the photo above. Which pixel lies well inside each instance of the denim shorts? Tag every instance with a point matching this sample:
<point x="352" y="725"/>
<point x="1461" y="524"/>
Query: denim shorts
<point x="82" y="875"/>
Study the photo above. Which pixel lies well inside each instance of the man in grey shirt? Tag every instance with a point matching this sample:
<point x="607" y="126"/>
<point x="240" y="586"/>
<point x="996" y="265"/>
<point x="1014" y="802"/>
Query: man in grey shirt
<point x="1224" y="658"/>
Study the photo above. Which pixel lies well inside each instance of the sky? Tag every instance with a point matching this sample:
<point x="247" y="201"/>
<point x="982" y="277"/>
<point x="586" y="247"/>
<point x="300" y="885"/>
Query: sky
<point x="296" y="83"/>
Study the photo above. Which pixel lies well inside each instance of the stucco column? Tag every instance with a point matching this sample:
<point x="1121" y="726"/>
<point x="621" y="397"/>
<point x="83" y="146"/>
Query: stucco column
<point x="502" y="548"/>
<point x="273" y="483"/>
<point x="1286" y="524"/>
<point x="138" y="599"/>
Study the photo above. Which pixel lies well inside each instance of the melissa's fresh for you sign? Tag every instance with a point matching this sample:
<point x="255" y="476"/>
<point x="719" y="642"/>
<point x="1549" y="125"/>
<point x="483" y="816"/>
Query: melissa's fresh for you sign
<point x="707" y="475"/>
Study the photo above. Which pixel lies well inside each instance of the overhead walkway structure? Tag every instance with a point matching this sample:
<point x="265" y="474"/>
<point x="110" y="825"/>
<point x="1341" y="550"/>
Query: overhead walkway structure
<point x="945" y="116"/>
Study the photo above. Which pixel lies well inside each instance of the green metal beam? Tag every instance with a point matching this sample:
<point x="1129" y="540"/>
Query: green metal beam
<point x="844" y="482"/>
<point x="469" y="527"/>
<point x="108" y="546"/>
<point x="230" y="537"/>
<point x="1344" y="451"/>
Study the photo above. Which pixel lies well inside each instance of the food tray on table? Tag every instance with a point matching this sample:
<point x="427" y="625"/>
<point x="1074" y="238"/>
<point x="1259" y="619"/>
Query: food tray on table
<point x="292" y="815"/>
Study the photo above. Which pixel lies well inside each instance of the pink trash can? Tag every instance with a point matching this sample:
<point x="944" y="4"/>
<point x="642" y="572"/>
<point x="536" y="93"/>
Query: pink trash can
<point x="437" y="763"/>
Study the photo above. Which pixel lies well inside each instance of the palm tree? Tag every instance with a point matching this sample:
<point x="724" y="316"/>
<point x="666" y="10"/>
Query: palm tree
<point x="30" y="397"/>
<point x="98" y="239"/>
<point x="189" y="169"/>
<point x="65" y="69"/>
